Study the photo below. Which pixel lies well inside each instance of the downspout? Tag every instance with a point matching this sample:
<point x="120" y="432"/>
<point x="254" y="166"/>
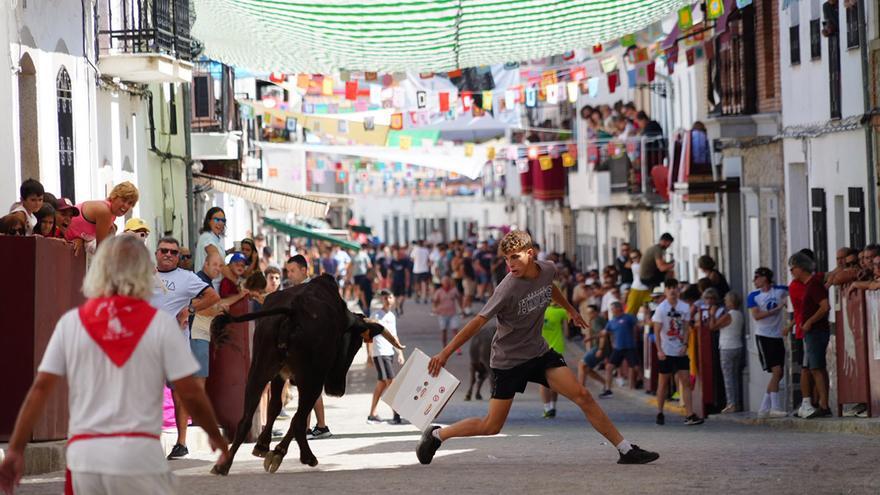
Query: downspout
<point x="187" y="151"/>
<point x="869" y="128"/>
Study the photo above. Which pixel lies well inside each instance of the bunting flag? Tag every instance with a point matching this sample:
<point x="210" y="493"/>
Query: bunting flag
<point x="631" y="78"/>
<point x="548" y="77"/>
<point x="421" y="99"/>
<point x="572" y="92"/>
<point x="592" y="68"/>
<point x="578" y="73"/>
<point x="370" y="76"/>
<point x="567" y="160"/>
<point x="552" y="92"/>
<point x="699" y="53"/>
<point x="709" y="49"/>
<point x="387" y="80"/>
<point x="467" y="99"/>
<point x="651" y="71"/>
<point x="510" y="98"/>
<point x="426" y="75"/>
<point x="691" y="56"/>
<point x="714" y="9"/>
<point x="741" y="4"/>
<point x="327" y="86"/>
<point x="487" y="100"/>
<point x="522" y="165"/>
<point x="642" y="74"/>
<point x="443" y="100"/>
<point x="302" y="81"/>
<point x="405" y="142"/>
<point x="612" y="81"/>
<point x="593" y="87"/>
<point x="546" y="162"/>
<point x="531" y="97"/>
<point x="490" y="153"/>
<point x="685" y="19"/>
<point x="641" y="55"/>
<point x="469" y="149"/>
<point x="609" y="65"/>
<point x="351" y="90"/>
<point x="597" y="48"/>
<point x="397" y="121"/>
<point x="628" y="40"/>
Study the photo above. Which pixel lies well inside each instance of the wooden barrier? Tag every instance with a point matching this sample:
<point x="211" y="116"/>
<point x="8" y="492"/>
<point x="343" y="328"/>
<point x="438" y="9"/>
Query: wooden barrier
<point x="851" y="350"/>
<point x="43" y="281"/>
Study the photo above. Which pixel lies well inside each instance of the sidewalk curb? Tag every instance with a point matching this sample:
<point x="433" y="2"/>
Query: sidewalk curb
<point x="857" y="426"/>
<point x="42" y="457"/>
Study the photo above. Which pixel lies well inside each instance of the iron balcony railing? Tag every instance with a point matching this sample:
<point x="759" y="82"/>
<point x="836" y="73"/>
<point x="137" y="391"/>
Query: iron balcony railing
<point x="144" y="26"/>
<point x="629" y="162"/>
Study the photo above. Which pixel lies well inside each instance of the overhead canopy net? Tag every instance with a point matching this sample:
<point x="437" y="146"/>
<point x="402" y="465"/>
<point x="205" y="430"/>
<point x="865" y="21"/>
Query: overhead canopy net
<point x="305" y="232"/>
<point x="399" y="35"/>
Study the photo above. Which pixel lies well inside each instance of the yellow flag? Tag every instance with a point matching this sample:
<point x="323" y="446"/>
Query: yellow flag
<point x="327" y="87"/>
<point x="567" y="160"/>
<point x="469" y="150"/>
<point x="405" y="142"/>
<point x="490" y="153"/>
<point x="487" y="100"/>
<point x="546" y="162"/>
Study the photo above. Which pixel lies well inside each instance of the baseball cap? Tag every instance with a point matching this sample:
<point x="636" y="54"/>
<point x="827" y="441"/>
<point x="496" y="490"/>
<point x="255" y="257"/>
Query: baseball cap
<point x="238" y="257"/>
<point x="62" y="204"/>
<point x="135" y="224"/>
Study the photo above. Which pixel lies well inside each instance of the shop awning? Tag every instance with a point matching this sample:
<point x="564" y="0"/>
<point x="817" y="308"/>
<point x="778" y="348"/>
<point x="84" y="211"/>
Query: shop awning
<point x="297" y="231"/>
<point x="277" y="200"/>
<point x="423" y="35"/>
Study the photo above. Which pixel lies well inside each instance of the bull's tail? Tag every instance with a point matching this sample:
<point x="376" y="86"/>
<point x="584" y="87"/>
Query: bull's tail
<point x="220" y="335"/>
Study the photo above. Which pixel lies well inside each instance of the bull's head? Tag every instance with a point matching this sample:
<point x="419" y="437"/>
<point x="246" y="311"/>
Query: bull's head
<point x="359" y="329"/>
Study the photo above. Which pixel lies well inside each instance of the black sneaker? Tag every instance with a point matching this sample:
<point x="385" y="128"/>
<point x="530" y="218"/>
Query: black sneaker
<point x="428" y="445"/>
<point x="318" y="432"/>
<point x="692" y="420"/>
<point x="606" y="394"/>
<point x="638" y="456"/>
<point x="396" y="420"/>
<point x="820" y="413"/>
<point x="373" y="420"/>
<point x="550" y="414"/>
<point x="178" y="451"/>
<point x="661" y="419"/>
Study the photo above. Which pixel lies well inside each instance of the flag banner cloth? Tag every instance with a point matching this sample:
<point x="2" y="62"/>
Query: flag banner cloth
<point x="418" y="35"/>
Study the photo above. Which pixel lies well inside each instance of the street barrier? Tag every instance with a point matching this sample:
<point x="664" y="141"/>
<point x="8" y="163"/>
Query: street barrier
<point x="43" y="281"/>
<point x="872" y="342"/>
<point x="852" y="350"/>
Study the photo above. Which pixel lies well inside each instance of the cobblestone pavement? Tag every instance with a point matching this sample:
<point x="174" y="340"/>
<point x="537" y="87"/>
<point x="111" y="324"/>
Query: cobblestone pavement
<point x="534" y="455"/>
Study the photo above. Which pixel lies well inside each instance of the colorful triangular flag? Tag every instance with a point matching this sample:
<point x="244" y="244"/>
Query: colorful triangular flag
<point x="714" y="9"/>
<point x="685" y="18"/>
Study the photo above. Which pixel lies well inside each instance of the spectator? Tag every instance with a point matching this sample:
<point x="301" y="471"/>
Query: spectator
<point x="297" y="270"/>
<point x="31" y="193"/>
<point x="484" y="258"/>
<point x="13" y="225"/>
<point x="211" y="238"/>
<point x="255" y="287"/>
<point x="45" y="221"/>
<point x="180" y="294"/>
<point x="359" y="270"/>
<point x="273" y="279"/>
<point x="816" y="329"/>
<point x="621" y="330"/>
<point x="623" y="264"/>
<point x="671" y="333"/>
<point x="444" y="306"/>
<point x="728" y="322"/>
<point x="597" y="344"/>
<point x="400" y="278"/>
<point x="874" y="283"/>
<point x="342" y="261"/>
<point x="716" y="279"/>
<point x="96" y="218"/>
<point x="249" y="250"/>
<point x="115" y="386"/>
<point x="499" y="267"/>
<point x="848" y="267"/>
<point x="647" y="126"/>
<point x="555" y="319"/>
<point x="654" y="268"/>
<point x="639" y="294"/>
<point x="766" y="305"/>
<point x="64" y="213"/>
<point x="381" y="353"/>
<point x="231" y="282"/>
<point x="138" y="228"/>
<point x="469" y="281"/>
<point x="421" y="271"/>
<point x="329" y="264"/>
<point x="186" y="259"/>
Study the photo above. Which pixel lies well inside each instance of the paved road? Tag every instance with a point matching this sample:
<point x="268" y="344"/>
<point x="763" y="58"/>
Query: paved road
<point x="534" y="455"/>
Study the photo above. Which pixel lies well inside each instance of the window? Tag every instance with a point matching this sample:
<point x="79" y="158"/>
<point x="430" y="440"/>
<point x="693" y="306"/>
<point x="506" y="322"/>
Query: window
<point x="64" y="97"/>
<point x="819" y="217"/>
<point x="794" y="44"/>
<point x="834" y="75"/>
<point x="815" y="39"/>
<point x="852" y="26"/>
<point x="856" y="217"/>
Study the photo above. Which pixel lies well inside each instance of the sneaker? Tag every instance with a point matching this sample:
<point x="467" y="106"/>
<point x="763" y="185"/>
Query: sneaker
<point x="762" y="414"/>
<point x="178" y="451"/>
<point x="283" y="414"/>
<point x="778" y="413"/>
<point x="277" y="433"/>
<point x="318" y="433"/>
<point x="860" y="411"/>
<point x="428" y="446"/>
<point x="396" y="420"/>
<point x="693" y="420"/>
<point x="661" y="419"/>
<point x="731" y="408"/>
<point x="807" y="412"/>
<point x="637" y="455"/>
<point x="606" y="394"/>
<point x="550" y="414"/>
<point x="373" y="420"/>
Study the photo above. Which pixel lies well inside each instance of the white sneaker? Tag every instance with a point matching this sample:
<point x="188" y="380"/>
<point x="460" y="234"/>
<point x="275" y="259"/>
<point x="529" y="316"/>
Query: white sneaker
<point x="777" y="413"/>
<point x="806" y="411"/>
<point x="764" y="413"/>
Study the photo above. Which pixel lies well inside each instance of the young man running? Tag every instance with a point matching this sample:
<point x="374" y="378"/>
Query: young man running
<point x="521" y="355"/>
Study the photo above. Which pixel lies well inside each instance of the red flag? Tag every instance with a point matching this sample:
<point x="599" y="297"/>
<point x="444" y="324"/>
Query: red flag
<point x="651" y="73"/>
<point x="351" y="90"/>
<point x="444" y="101"/>
<point x="612" y="81"/>
<point x="691" y="55"/>
<point x="455" y="73"/>
<point x="597" y="48"/>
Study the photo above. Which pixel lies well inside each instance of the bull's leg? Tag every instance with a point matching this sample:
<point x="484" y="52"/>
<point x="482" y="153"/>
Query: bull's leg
<point x="467" y="396"/>
<point x="308" y="395"/>
<point x="276" y="387"/>
<point x="481" y="377"/>
<point x="257" y="380"/>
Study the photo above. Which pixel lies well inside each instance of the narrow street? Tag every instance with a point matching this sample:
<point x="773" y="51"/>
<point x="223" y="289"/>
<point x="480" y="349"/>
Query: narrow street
<point x="534" y="455"/>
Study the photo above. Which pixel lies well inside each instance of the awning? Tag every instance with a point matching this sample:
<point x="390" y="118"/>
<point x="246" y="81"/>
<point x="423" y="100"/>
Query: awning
<point x="277" y="200"/>
<point x="296" y="231"/>
<point x="423" y="35"/>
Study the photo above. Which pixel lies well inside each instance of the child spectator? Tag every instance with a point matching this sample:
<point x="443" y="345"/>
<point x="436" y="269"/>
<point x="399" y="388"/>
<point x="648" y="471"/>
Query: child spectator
<point x="249" y="250"/>
<point x="64" y="212"/>
<point x="729" y="323"/>
<point x="444" y="301"/>
<point x="45" y="221"/>
<point x="237" y="265"/>
<point x="381" y="353"/>
<point x="273" y="279"/>
<point x="137" y="227"/>
<point x="13" y="225"/>
<point x="597" y="344"/>
<point x="621" y="330"/>
<point x="555" y="318"/>
<point x="31" y="193"/>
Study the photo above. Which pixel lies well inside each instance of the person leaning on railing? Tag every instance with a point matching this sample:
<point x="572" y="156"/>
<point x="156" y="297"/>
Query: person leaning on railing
<point x="874" y="283"/>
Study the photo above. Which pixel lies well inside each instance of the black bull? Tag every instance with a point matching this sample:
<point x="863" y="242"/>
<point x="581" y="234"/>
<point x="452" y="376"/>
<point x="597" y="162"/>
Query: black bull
<point x="306" y="332"/>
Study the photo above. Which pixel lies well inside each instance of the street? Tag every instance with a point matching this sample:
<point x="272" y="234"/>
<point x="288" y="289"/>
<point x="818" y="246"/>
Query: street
<point x="534" y="455"/>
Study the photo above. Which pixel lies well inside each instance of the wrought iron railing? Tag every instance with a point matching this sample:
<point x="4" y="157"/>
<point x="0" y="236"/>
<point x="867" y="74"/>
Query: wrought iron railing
<point x="629" y="161"/>
<point x="144" y="26"/>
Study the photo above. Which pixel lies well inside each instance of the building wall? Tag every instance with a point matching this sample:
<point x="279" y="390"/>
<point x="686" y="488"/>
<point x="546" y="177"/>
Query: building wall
<point x="767" y="51"/>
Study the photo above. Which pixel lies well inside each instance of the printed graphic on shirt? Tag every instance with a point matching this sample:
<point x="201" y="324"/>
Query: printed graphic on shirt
<point x="676" y="324"/>
<point x="538" y="299"/>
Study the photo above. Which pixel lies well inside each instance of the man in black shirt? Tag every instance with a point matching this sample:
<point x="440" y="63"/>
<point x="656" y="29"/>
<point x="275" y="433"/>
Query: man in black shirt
<point x="624" y="265"/>
<point x="401" y="268"/>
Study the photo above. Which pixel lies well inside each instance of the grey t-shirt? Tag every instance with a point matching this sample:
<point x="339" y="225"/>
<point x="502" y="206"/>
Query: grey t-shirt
<point x="519" y="305"/>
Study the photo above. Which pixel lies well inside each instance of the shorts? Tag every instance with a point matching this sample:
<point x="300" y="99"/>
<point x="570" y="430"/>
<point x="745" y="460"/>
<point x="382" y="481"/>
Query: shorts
<point x="384" y="367"/>
<point x="618" y="355"/>
<point x="590" y="358"/>
<point x="506" y="383"/>
<point x="673" y="364"/>
<point x="470" y="287"/>
<point x="815" y="346"/>
<point x="398" y="288"/>
<point x="422" y="277"/>
<point x="201" y="349"/>
<point x="482" y="278"/>
<point x="147" y="484"/>
<point x="448" y="322"/>
<point x="635" y="299"/>
<point x="771" y="350"/>
<point x="459" y="285"/>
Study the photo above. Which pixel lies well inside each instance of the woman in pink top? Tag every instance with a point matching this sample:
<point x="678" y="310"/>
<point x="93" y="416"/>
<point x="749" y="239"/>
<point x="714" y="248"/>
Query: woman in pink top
<point x="445" y="299"/>
<point x="96" y="219"/>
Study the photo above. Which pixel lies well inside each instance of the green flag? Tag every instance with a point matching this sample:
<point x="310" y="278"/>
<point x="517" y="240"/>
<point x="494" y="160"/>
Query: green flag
<point x="685" y="19"/>
<point x="714" y="9"/>
<point x="628" y="41"/>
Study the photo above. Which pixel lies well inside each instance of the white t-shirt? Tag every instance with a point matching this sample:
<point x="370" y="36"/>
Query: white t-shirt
<point x="31" y="218"/>
<point x="420" y="255"/>
<point x="673" y="327"/>
<point x="381" y="346"/>
<point x="175" y="289"/>
<point x="104" y="398"/>
<point x="765" y="301"/>
<point x="730" y="336"/>
<point x="607" y="299"/>
<point x="208" y="239"/>
<point x="637" y="280"/>
<point x="342" y="259"/>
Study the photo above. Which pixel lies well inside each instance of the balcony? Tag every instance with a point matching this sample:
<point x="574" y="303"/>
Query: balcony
<point x="145" y="41"/>
<point x="215" y="123"/>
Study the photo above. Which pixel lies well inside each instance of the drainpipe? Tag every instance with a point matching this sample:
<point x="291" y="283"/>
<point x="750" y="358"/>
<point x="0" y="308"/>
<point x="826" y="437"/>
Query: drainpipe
<point x="187" y="152"/>
<point x="869" y="128"/>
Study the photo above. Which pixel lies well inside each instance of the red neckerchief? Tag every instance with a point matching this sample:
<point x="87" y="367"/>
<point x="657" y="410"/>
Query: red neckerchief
<point x="116" y="324"/>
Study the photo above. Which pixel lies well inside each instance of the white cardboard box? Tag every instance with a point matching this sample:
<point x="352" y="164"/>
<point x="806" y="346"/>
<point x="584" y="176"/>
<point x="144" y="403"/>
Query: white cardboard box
<point x="416" y="395"/>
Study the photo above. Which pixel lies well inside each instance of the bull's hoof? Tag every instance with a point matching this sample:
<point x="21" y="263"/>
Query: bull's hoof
<point x="467" y="397"/>
<point x="220" y="470"/>
<point x="260" y="451"/>
<point x="272" y="462"/>
<point x="479" y="397"/>
<point x="311" y="461"/>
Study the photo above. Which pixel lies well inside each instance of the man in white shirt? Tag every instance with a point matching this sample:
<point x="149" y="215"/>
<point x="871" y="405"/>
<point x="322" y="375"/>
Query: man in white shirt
<point x="421" y="270"/>
<point x="766" y="305"/>
<point x="381" y="353"/>
<point x="115" y="352"/>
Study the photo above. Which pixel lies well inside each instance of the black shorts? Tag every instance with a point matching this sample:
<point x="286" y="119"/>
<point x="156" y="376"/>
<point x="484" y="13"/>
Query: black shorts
<point x="506" y="383"/>
<point x="618" y="355"/>
<point x="398" y="288"/>
<point x="384" y="367"/>
<point x="771" y="351"/>
<point x="422" y="277"/>
<point x="673" y="364"/>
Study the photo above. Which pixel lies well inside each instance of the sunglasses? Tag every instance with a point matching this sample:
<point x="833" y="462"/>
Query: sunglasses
<point x="185" y="256"/>
<point x="219" y="220"/>
<point x="172" y="252"/>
